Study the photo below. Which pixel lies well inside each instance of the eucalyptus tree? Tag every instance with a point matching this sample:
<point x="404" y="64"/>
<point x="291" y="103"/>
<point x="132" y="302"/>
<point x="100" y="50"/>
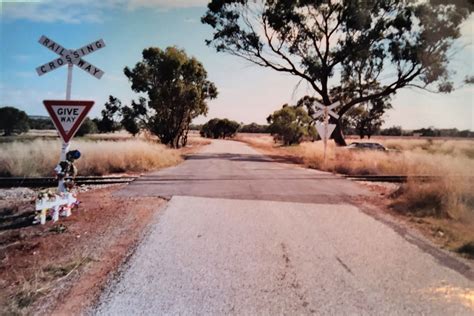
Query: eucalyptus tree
<point x="177" y="91"/>
<point x="352" y="51"/>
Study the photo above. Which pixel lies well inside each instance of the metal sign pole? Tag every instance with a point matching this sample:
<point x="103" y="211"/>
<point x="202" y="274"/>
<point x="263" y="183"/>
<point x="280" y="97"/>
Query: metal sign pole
<point x="68" y="97"/>
<point x="65" y="146"/>
<point x="325" y="140"/>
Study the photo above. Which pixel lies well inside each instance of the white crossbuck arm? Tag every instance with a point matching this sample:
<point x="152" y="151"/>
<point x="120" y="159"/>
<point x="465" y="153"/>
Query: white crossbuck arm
<point x="69" y="56"/>
<point x="328" y="108"/>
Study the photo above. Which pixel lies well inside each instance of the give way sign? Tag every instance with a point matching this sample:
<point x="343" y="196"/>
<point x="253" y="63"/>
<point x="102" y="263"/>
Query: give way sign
<point x="67" y="115"/>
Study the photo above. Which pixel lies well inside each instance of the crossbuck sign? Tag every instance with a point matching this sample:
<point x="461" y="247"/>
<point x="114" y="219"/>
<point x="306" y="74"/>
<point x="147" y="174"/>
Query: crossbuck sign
<point x="68" y="114"/>
<point x="325" y="130"/>
<point x="68" y="56"/>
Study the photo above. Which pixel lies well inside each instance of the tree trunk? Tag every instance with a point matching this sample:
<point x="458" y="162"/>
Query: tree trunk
<point x="184" y="139"/>
<point x="338" y="135"/>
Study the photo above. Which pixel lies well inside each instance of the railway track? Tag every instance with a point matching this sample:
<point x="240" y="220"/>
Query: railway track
<point x="46" y="182"/>
<point x="393" y="179"/>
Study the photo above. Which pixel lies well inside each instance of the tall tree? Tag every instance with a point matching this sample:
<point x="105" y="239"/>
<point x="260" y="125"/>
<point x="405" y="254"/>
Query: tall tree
<point x="177" y="89"/>
<point x="13" y="120"/>
<point x="376" y="46"/>
<point x="366" y="119"/>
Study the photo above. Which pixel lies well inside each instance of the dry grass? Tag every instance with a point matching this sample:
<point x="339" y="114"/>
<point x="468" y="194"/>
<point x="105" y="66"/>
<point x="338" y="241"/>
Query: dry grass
<point x="40" y="284"/>
<point x="405" y="156"/>
<point x="39" y="157"/>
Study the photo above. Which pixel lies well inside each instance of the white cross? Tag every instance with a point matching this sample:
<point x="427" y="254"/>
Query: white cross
<point x="70" y="57"/>
<point x="328" y="109"/>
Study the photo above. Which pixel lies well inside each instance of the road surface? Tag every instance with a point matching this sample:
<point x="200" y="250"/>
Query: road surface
<point x="245" y="235"/>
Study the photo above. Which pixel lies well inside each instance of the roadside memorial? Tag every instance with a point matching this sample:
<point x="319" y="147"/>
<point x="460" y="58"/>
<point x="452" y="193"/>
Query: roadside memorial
<point x="67" y="116"/>
<point x="325" y="129"/>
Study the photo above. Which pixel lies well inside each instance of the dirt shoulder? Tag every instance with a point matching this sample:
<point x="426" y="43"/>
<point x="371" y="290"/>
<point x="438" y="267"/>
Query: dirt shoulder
<point x="62" y="267"/>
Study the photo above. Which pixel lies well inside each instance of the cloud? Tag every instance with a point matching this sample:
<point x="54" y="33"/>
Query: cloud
<point x="166" y="4"/>
<point x="80" y="11"/>
<point x="49" y="12"/>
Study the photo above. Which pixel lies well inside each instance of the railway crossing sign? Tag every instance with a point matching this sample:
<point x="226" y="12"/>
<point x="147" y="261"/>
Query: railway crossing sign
<point x="67" y="115"/>
<point x="70" y="57"/>
<point x="326" y="110"/>
<point x="325" y="130"/>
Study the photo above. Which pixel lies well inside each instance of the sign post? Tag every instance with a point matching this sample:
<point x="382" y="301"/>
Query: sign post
<point x="68" y="115"/>
<point x="325" y="130"/>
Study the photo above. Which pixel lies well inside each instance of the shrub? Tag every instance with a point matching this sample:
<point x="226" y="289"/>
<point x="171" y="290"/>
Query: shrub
<point x="290" y="124"/>
<point x="219" y="128"/>
<point x="254" y="128"/>
<point x="87" y="127"/>
<point x="13" y="120"/>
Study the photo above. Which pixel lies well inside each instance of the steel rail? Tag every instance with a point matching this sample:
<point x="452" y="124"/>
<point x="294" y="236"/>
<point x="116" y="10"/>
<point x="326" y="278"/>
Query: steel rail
<point x="43" y="182"/>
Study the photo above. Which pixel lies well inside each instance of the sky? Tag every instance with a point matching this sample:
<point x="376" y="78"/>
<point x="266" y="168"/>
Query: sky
<point x="247" y="93"/>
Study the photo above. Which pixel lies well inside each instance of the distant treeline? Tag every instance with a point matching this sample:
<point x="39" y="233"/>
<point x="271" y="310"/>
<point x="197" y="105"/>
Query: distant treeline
<point x="44" y="122"/>
<point x="40" y="122"/>
<point x="244" y="128"/>
<point x="16" y="121"/>
<point x="426" y="132"/>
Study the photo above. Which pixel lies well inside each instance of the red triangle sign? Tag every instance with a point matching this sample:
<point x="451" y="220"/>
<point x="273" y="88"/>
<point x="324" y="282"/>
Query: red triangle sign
<point x="67" y="115"/>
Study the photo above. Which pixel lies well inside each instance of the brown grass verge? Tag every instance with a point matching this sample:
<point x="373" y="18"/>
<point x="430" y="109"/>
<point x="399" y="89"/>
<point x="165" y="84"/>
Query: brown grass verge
<point x="39" y="157"/>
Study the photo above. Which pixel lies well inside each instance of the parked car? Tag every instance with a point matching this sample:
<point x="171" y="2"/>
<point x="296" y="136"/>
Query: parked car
<point x="366" y="146"/>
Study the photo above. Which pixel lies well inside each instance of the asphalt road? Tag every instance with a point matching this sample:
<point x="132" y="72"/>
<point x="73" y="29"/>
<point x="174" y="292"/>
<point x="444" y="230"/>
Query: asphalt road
<point x="245" y="235"/>
<point x="232" y="170"/>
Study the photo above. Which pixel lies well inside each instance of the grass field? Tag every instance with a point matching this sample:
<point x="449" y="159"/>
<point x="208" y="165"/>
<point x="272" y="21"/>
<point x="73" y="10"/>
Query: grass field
<point x="447" y="201"/>
<point x="35" y="155"/>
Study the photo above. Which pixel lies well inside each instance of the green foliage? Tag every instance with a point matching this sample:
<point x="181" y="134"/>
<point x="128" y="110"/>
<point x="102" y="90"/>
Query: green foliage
<point x="349" y="51"/>
<point x="367" y="119"/>
<point x="13" y="120"/>
<point x="254" y="128"/>
<point x="109" y="122"/>
<point x="392" y="131"/>
<point x="429" y="132"/>
<point x="87" y="127"/>
<point x="291" y="124"/>
<point x="195" y="127"/>
<point x="177" y="89"/>
<point x="134" y="117"/>
<point x="219" y="128"/>
<point x="40" y="123"/>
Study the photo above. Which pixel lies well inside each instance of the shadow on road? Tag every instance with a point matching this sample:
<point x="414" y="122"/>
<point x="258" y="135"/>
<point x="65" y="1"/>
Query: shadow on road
<point x="247" y="157"/>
